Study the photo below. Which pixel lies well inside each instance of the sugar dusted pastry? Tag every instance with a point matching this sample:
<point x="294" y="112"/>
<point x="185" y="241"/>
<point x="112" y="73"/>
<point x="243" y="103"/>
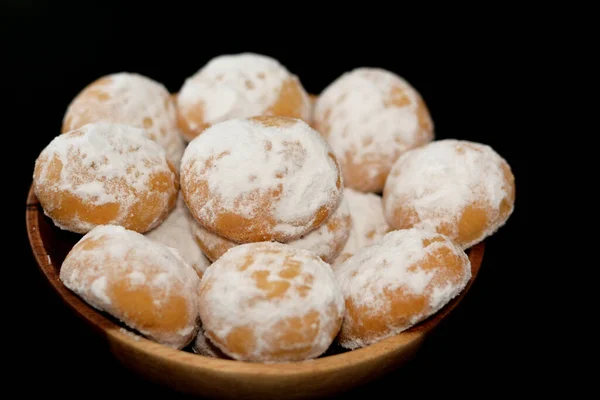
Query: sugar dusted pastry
<point x="368" y="222"/>
<point x="130" y="99"/>
<point x="145" y="285"/>
<point x="270" y="302"/>
<point x="371" y="116"/>
<point x="326" y="241"/>
<point x="239" y="86"/>
<point x="397" y="282"/>
<point x="260" y="179"/>
<point x="175" y="231"/>
<point x="101" y="174"/>
<point x="461" y="189"/>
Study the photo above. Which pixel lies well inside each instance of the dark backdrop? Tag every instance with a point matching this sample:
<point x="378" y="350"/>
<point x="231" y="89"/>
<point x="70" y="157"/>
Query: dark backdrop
<point x="461" y="68"/>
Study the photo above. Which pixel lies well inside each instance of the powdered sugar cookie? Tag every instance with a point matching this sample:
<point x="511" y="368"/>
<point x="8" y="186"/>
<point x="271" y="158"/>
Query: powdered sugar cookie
<point x="270" y="302"/>
<point x="239" y="86"/>
<point x="368" y="222"/>
<point x="260" y="179"/>
<point x="326" y="241"/>
<point x="371" y="116"/>
<point x="398" y="281"/>
<point x="212" y="245"/>
<point x="145" y="285"/>
<point x="130" y="99"/>
<point x="175" y="232"/>
<point x="461" y="189"/>
<point x="103" y="174"/>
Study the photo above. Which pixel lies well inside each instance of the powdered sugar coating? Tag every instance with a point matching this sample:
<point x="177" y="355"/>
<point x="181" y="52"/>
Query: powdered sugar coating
<point x="368" y="222"/>
<point x="145" y="285"/>
<point x="398" y="281"/>
<point x="250" y="180"/>
<point x="435" y="186"/>
<point x="175" y="232"/>
<point x="371" y="116"/>
<point x="270" y="302"/>
<point x="130" y="99"/>
<point x="326" y="241"/>
<point x="237" y="86"/>
<point x="105" y="174"/>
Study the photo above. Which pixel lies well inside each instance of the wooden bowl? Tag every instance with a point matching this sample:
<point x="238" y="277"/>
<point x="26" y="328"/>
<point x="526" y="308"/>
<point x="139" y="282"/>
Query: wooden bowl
<point x="210" y="377"/>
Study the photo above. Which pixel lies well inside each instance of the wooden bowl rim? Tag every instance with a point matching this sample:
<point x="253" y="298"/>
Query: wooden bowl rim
<point x="203" y="363"/>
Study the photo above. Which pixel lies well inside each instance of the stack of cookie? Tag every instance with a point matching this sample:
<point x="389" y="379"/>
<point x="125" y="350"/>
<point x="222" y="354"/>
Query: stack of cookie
<point x="256" y="222"/>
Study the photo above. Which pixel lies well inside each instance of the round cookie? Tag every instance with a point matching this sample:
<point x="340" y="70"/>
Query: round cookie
<point x="462" y="189"/>
<point x="371" y="116"/>
<point x="129" y="99"/>
<point x="397" y="282"/>
<point x="270" y="302"/>
<point x="147" y="286"/>
<point x="368" y="222"/>
<point x="326" y="241"/>
<point x="103" y="174"/>
<point x="260" y="179"/>
<point x="175" y="232"/>
<point x="239" y="86"/>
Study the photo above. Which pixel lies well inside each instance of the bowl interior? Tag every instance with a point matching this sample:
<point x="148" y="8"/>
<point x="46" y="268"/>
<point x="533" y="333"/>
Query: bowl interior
<point x="50" y="246"/>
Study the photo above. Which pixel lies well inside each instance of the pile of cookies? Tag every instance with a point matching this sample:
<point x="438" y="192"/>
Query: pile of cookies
<point x="247" y="219"/>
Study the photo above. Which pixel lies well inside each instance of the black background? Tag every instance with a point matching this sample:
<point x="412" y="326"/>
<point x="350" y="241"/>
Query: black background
<point x="462" y="68"/>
